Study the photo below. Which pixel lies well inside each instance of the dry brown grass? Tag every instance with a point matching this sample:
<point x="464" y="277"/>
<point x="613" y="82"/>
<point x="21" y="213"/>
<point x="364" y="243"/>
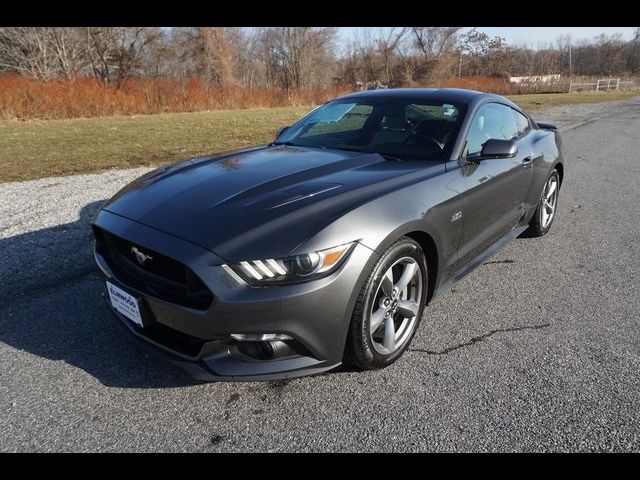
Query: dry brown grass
<point x="23" y="98"/>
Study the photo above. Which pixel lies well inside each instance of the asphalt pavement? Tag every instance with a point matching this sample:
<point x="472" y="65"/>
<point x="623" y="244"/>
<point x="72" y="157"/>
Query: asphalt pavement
<point x="538" y="350"/>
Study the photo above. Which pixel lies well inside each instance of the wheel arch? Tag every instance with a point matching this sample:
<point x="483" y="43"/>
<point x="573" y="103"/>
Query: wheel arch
<point x="430" y="250"/>
<point x="428" y="242"/>
<point x="560" y="168"/>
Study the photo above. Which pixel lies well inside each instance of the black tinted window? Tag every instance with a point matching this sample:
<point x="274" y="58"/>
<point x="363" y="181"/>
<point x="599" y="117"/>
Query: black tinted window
<point x="343" y="118"/>
<point x="492" y="120"/>
<point x="400" y="127"/>
<point x="522" y="123"/>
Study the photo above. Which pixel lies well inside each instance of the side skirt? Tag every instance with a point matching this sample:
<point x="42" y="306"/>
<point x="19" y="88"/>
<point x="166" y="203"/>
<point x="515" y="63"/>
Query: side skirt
<point x="479" y="260"/>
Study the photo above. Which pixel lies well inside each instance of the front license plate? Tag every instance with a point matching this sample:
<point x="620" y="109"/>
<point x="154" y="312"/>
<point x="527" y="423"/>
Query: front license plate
<point x="124" y="303"/>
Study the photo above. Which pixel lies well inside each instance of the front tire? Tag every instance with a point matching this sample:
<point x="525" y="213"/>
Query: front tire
<point x="389" y="307"/>
<point x="545" y="213"/>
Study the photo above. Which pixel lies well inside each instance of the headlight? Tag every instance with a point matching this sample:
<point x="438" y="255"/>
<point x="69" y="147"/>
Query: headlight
<point x="298" y="268"/>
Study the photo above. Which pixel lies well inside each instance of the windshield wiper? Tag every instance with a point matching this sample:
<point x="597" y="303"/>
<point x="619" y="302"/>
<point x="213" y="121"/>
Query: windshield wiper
<point x="347" y="149"/>
<point x="386" y="156"/>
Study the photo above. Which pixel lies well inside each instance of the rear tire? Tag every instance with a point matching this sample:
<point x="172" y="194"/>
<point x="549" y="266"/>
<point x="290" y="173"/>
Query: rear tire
<point x="389" y="307"/>
<point x="545" y="213"/>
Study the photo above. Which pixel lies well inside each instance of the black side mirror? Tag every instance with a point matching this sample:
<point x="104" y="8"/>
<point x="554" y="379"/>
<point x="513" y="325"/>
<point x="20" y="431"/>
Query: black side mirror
<point x="495" y="148"/>
<point x="281" y="130"/>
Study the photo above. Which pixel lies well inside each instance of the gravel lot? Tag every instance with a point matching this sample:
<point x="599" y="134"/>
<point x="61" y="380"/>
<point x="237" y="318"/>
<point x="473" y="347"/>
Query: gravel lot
<point x="538" y="350"/>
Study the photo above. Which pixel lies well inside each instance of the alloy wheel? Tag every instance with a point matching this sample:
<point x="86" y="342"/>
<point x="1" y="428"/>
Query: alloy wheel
<point x="549" y="200"/>
<point x="395" y="307"/>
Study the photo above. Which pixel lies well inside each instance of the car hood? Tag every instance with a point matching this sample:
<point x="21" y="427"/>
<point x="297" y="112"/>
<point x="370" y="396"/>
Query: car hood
<point x="257" y="202"/>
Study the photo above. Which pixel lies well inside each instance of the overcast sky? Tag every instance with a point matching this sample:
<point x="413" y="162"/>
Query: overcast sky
<point x="531" y="35"/>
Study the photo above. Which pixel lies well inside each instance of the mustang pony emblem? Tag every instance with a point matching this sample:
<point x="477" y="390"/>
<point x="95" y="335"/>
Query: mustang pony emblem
<point x="140" y="256"/>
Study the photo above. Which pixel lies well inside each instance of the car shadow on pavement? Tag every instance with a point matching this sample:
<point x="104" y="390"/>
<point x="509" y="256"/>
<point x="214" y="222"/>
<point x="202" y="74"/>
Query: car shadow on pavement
<point x="51" y="307"/>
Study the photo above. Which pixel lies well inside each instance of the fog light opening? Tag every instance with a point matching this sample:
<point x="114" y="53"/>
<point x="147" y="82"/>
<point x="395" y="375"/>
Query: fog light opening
<point x="266" y="350"/>
<point x="260" y="337"/>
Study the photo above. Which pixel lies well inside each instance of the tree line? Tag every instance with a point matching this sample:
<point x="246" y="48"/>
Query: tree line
<point x="300" y="57"/>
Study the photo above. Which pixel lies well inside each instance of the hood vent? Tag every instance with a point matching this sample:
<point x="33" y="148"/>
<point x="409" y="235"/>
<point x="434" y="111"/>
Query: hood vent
<point x="290" y="195"/>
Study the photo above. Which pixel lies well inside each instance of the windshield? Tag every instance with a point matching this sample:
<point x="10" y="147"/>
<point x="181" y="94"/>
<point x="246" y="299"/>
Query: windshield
<point x="401" y="128"/>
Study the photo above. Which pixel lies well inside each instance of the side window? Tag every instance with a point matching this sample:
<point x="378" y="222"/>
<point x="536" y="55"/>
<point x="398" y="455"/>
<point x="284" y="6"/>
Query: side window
<point x="492" y="121"/>
<point x="522" y="123"/>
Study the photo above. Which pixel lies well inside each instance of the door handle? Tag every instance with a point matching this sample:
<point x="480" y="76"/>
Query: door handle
<point x="527" y="161"/>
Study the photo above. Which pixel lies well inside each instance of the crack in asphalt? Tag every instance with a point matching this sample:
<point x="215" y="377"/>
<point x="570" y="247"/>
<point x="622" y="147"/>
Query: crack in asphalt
<point x="479" y="338"/>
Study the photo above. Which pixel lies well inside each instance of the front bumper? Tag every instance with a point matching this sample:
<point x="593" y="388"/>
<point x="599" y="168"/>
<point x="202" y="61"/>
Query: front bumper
<point x="315" y="314"/>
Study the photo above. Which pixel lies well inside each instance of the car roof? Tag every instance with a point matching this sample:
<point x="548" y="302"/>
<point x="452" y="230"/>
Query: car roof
<point x="454" y="95"/>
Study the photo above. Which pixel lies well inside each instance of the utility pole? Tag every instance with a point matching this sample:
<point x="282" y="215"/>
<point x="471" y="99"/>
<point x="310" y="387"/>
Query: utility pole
<point x="570" y="64"/>
<point x="460" y="65"/>
<point x="570" y="67"/>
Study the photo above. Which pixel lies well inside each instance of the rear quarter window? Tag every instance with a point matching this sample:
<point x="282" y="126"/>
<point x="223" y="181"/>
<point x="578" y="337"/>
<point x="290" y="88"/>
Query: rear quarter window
<point x="522" y="123"/>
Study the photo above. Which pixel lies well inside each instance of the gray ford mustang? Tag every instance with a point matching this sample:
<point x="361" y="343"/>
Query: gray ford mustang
<point x="326" y="245"/>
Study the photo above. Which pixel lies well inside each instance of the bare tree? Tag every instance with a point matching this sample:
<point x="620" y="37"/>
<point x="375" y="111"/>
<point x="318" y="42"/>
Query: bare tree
<point x="188" y="47"/>
<point x="434" y="41"/>
<point x="115" y="53"/>
<point x="249" y="62"/>
<point x="378" y="56"/>
<point x="365" y="51"/>
<point x="436" y="46"/>
<point x="484" y="52"/>
<point x="41" y="52"/>
<point x="160" y="57"/>
<point x="387" y="44"/>
<point x="220" y="54"/>
<point x="295" y="56"/>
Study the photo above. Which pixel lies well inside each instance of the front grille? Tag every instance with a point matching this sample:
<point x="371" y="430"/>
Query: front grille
<point x="160" y="276"/>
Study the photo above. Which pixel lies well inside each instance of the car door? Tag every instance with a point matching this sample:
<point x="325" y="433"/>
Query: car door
<point x="529" y="138"/>
<point x="495" y="188"/>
